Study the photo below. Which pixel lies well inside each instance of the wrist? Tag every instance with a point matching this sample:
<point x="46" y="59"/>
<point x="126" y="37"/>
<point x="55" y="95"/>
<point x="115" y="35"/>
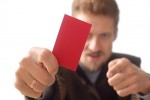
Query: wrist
<point x="147" y="90"/>
<point x="143" y="97"/>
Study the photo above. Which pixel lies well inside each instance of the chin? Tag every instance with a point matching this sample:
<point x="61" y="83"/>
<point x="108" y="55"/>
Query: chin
<point x="93" y="68"/>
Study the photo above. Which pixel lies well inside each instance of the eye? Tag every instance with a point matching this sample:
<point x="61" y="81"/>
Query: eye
<point x="89" y="36"/>
<point x="104" y="36"/>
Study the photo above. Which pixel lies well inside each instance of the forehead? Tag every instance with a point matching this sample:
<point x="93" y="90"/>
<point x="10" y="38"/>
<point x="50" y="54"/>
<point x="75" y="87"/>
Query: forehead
<point x="99" y="22"/>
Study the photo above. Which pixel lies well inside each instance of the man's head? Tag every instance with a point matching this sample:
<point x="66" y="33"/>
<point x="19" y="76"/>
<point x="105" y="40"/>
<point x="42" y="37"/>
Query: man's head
<point x="107" y="8"/>
<point x="104" y="17"/>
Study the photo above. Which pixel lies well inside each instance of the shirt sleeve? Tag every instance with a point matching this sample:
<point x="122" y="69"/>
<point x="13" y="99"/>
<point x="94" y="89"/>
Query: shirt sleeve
<point x="47" y="94"/>
<point x="144" y="97"/>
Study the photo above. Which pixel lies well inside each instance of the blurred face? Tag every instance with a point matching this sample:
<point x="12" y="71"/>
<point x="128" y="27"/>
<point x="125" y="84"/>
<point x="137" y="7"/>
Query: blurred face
<point x="98" y="47"/>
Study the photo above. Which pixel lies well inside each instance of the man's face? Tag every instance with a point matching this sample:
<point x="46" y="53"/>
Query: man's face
<point x="98" y="47"/>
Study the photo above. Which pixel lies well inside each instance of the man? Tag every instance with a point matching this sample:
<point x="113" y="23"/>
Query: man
<point x="101" y="74"/>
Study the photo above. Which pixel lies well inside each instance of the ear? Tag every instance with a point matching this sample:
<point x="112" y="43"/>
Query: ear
<point x="115" y="34"/>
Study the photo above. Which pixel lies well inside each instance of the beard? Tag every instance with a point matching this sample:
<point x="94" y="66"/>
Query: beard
<point x="93" y="66"/>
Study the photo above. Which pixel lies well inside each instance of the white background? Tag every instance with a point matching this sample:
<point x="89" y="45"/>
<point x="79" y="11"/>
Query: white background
<point x="29" y="23"/>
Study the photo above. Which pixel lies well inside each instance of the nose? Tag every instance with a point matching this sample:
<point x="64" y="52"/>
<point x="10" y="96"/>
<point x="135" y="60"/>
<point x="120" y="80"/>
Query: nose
<point x="94" y="45"/>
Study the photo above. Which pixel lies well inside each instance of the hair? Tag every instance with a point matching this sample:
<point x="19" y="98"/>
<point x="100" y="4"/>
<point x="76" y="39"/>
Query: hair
<point x="97" y="7"/>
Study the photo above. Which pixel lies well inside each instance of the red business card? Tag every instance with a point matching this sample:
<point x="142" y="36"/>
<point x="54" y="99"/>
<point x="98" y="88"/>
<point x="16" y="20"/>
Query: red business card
<point x="70" y="41"/>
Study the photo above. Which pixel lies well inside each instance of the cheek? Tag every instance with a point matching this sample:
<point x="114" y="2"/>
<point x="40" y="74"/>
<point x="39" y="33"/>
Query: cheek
<point x="85" y="46"/>
<point x="84" y="50"/>
<point x="107" y="47"/>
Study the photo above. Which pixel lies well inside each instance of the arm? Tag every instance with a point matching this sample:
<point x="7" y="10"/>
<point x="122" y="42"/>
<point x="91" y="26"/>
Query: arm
<point x="127" y="78"/>
<point x="36" y="72"/>
<point x="143" y="97"/>
<point x="47" y="94"/>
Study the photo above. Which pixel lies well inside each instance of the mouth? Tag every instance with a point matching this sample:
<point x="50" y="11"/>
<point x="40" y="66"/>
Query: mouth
<point x="94" y="57"/>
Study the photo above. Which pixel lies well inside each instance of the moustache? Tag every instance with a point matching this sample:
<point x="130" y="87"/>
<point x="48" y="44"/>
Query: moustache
<point x="98" y="53"/>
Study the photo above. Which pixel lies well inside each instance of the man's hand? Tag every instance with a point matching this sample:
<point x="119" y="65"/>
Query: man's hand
<point x="36" y="71"/>
<point x="126" y="78"/>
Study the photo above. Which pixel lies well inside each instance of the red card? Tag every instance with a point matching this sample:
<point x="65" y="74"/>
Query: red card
<point x="70" y="42"/>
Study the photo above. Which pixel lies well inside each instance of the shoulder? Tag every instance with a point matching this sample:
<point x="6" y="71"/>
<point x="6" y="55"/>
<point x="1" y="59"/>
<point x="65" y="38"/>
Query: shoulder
<point x="134" y="59"/>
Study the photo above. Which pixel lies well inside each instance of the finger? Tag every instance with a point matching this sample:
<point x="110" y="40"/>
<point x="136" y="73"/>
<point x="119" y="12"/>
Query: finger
<point x="26" y="90"/>
<point x="132" y="89"/>
<point x="28" y="79"/>
<point x="37" y="72"/>
<point x="117" y="66"/>
<point x="110" y="64"/>
<point x="129" y="80"/>
<point x="49" y="61"/>
<point x="116" y="79"/>
<point x="45" y="58"/>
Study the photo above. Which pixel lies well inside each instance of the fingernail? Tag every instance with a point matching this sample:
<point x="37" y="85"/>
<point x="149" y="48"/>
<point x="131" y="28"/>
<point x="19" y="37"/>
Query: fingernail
<point x="109" y="75"/>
